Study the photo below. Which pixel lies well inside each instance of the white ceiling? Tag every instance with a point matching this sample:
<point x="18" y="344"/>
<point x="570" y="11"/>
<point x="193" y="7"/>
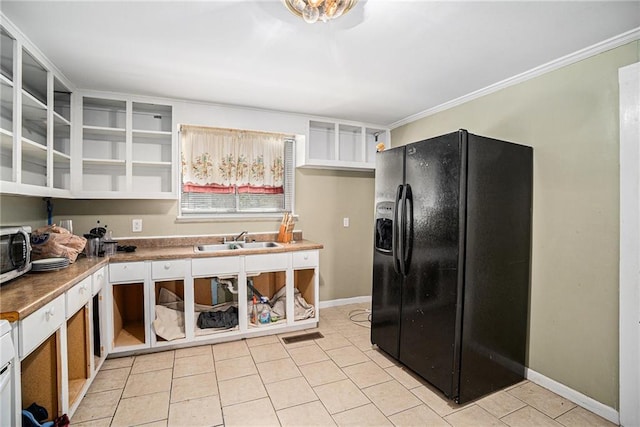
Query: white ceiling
<point x="382" y="62"/>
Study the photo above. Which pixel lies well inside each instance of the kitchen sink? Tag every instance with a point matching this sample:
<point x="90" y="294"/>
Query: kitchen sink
<point x="218" y="247"/>
<point x="235" y="246"/>
<point x="259" y="245"/>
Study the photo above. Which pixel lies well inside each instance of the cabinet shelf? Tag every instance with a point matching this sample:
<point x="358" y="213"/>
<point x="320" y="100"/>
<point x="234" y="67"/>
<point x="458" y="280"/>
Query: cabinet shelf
<point x="150" y="164"/>
<point x="34" y="78"/>
<point x="113" y="162"/>
<point x="33" y="150"/>
<point x="333" y="145"/>
<point x="150" y="134"/>
<point x="59" y="120"/>
<point x="6" y="139"/>
<point x="104" y="113"/>
<point x="6" y="106"/>
<point x="151" y="117"/>
<point x="6" y="62"/>
<point x="61" y="100"/>
<point x="114" y="134"/>
<point x="59" y="156"/>
<point x="6" y="156"/>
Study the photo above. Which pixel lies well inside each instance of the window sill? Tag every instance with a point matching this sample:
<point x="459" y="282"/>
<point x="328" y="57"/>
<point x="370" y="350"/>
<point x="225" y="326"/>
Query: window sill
<point x="235" y="217"/>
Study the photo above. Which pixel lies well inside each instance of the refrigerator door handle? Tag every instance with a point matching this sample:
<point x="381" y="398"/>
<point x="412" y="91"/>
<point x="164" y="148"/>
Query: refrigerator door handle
<point x="396" y="237"/>
<point x="407" y="229"/>
<point x="403" y="231"/>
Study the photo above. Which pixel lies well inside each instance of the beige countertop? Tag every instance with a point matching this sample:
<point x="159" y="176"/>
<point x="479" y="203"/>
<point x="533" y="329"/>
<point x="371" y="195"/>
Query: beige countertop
<point x="26" y="294"/>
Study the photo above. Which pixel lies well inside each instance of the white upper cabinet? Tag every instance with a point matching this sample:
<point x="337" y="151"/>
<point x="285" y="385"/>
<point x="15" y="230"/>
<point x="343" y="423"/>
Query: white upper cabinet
<point x="127" y="148"/>
<point x="35" y="120"/>
<point x="337" y="145"/>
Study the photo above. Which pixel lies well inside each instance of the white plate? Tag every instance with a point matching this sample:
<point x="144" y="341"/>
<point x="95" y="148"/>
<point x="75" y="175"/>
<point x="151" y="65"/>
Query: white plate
<point x="49" y="261"/>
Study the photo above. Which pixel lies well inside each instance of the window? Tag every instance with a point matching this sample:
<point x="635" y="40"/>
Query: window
<point x="227" y="172"/>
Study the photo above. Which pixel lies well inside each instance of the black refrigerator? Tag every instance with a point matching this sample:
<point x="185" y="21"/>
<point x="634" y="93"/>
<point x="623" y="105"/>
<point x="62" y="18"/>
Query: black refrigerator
<point x="451" y="264"/>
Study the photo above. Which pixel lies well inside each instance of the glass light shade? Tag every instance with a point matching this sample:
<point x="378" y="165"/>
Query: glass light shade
<point x="319" y="10"/>
<point x="299" y="5"/>
<point x="310" y="14"/>
<point x="330" y="8"/>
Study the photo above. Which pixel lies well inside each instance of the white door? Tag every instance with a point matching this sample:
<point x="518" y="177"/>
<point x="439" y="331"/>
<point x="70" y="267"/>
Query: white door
<point x="629" y="80"/>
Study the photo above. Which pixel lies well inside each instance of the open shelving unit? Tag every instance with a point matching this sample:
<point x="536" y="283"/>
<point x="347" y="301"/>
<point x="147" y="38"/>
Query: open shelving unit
<point x="267" y="284"/>
<point x="127" y="149"/>
<point x="35" y="120"/>
<point x="335" y="145"/>
<point x="40" y="376"/>
<point x="6" y="106"/>
<point x="207" y="291"/>
<point x="175" y="289"/>
<point x="78" y="353"/>
<point x="128" y="315"/>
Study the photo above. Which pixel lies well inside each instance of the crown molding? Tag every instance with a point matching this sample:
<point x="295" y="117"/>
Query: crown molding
<point x="572" y="58"/>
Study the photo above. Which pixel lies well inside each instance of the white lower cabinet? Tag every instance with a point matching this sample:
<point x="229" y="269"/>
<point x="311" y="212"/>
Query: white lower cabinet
<point x="128" y="307"/>
<point x="42" y="353"/>
<point x="78" y="341"/>
<point x="165" y="303"/>
<point x="169" y="296"/>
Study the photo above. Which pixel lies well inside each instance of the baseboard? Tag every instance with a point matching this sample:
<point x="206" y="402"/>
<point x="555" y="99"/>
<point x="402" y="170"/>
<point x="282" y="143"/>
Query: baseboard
<point x="344" y="301"/>
<point x="606" y="412"/>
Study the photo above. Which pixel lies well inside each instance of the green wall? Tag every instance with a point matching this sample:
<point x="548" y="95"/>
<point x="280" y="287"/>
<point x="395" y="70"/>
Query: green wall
<point x="570" y="118"/>
<point x="323" y="198"/>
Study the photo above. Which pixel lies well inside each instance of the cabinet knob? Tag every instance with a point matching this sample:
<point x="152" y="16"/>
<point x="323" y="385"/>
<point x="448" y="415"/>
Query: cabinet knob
<point x="167" y="266"/>
<point x="306" y="256"/>
<point x="50" y="312"/>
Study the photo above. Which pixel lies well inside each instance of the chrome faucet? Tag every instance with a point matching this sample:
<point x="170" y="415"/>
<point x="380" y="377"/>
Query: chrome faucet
<point x="235" y="239"/>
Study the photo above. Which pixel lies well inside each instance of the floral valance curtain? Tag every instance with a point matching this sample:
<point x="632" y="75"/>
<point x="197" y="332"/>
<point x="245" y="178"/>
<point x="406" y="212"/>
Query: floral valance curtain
<point x="227" y="161"/>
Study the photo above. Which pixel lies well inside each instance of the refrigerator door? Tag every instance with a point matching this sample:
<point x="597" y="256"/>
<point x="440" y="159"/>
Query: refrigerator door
<point x="428" y="334"/>
<point x="497" y="265"/>
<point x="387" y="280"/>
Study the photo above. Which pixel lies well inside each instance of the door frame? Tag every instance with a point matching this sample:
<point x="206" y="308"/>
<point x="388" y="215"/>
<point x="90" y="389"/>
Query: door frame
<point x="629" y="357"/>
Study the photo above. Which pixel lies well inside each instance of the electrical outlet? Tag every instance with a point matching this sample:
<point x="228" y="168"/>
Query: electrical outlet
<point x="136" y="226"/>
<point x="345" y="222"/>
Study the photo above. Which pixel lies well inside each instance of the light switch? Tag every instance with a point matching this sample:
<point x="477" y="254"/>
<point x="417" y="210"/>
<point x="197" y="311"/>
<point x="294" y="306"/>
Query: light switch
<point x="136" y="226"/>
<point x="345" y="222"/>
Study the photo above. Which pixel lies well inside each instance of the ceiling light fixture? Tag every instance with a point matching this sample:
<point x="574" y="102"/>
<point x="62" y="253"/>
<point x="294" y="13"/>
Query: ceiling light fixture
<point x="324" y="10"/>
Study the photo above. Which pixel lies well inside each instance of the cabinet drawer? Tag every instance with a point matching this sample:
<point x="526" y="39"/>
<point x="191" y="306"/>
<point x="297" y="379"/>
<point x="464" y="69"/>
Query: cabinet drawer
<point x="169" y="269"/>
<point x="78" y="296"/>
<point x="126" y="272"/>
<point x="39" y="325"/>
<point x="270" y="262"/>
<point x="305" y="259"/>
<point x="99" y="280"/>
<point x="215" y="266"/>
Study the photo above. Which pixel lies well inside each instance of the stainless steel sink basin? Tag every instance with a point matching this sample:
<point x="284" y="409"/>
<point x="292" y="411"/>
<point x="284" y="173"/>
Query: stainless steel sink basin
<point x="218" y="247"/>
<point x="259" y="245"/>
<point x="235" y="246"/>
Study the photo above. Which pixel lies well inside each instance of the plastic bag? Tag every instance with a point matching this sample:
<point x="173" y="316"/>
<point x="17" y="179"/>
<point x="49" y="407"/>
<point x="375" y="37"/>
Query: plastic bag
<point x="53" y="241"/>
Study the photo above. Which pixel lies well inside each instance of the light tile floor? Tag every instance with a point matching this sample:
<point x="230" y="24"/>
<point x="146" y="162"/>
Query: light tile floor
<point x="336" y="380"/>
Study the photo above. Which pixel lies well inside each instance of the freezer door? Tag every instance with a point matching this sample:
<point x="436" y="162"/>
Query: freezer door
<point x="430" y="290"/>
<point x="387" y="281"/>
<point x="497" y="266"/>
